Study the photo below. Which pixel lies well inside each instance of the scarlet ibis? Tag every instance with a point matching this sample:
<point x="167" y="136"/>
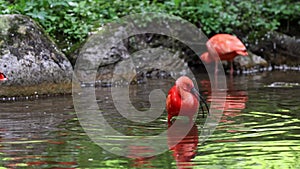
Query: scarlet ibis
<point x="2" y="77"/>
<point x="225" y="46"/>
<point x="183" y="99"/>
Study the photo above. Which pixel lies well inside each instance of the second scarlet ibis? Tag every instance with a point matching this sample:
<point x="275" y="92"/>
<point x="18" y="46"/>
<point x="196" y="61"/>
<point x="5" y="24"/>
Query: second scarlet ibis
<point x="183" y="99"/>
<point x="2" y="77"/>
<point x="224" y="46"/>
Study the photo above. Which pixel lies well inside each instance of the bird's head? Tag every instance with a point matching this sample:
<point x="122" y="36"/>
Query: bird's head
<point x="242" y="52"/>
<point x="205" y="57"/>
<point x="185" y="84"/>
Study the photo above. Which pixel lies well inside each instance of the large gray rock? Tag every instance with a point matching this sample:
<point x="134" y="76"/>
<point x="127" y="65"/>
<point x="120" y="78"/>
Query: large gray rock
<point x="251" y="61"/>
<point x="278" y="49"/>
<point x="110" y="60"/>
<point x="116" y="65"/>
<point x="27" y="54"/>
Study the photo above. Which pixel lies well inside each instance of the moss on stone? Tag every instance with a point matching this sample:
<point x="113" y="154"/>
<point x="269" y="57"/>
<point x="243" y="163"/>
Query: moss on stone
<point x="32" y="90"/>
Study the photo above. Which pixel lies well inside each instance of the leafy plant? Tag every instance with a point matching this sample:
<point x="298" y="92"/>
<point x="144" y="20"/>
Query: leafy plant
<point x="70" y="21"/>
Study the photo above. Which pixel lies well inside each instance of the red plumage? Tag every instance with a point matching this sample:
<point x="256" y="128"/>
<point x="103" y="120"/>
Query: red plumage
<point x="180" y="100"/>
<point x="2" y="77"/>
<point x="223" y="46"/>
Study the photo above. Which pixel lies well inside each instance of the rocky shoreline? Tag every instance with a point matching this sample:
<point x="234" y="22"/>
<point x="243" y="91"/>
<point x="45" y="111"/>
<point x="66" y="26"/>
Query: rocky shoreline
<point x="34" y="64"/>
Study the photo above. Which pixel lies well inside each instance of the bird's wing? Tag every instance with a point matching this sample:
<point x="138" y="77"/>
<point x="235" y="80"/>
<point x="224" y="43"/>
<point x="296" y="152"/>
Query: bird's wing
<point x="173" y="102"/>
<point x="224" y="44"/>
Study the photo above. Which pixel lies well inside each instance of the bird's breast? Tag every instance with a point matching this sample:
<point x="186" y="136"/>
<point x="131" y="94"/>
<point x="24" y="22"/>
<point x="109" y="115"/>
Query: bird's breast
<point x="184" y="104"/>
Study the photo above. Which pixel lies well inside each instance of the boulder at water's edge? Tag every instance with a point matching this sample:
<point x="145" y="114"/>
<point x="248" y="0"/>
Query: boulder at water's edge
<point x="28" y="57"/>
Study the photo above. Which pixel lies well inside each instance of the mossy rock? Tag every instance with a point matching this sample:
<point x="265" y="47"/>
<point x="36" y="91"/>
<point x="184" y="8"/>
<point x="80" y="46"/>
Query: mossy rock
<point x="28" y="57"/>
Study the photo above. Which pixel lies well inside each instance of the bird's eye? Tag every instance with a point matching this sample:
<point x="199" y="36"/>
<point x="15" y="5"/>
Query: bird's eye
<point x="188" y="86"/>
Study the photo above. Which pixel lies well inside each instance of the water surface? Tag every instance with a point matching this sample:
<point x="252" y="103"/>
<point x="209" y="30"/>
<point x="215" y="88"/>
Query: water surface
<point x="260" y="128"/>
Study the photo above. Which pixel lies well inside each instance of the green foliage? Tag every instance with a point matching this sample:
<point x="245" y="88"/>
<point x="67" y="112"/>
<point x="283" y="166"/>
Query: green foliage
<point x="70" y="21"/>
<point x="252" y="17"/>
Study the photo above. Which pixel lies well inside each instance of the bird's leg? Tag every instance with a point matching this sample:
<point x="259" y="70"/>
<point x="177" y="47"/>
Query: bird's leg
<point x="216" y="68"/>
<point x="231" y="67"/>
<point x="216" y="73"/>
<point x="169" y="119"/>
<point x="169" y="123"/>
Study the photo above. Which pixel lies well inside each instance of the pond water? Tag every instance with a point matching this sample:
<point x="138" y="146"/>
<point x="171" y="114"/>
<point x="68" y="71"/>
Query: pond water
<point x="260" y="128"/>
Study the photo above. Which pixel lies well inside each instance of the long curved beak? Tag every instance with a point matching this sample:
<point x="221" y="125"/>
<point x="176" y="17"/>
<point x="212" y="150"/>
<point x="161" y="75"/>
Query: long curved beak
<point x="200" y="99"/>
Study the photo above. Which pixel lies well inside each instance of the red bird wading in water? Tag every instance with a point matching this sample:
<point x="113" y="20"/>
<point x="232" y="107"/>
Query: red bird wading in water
<point x="2" y="77"/>
<point x="225" y="46"/>
<point x="183" y="99"/>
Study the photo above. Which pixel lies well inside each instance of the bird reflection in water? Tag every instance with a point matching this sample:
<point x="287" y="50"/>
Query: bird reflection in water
<point x="235" y="103"/>
<point x="137" y="154"/>
<point x="182" y="144"/>
<point x="182" y="140"/>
